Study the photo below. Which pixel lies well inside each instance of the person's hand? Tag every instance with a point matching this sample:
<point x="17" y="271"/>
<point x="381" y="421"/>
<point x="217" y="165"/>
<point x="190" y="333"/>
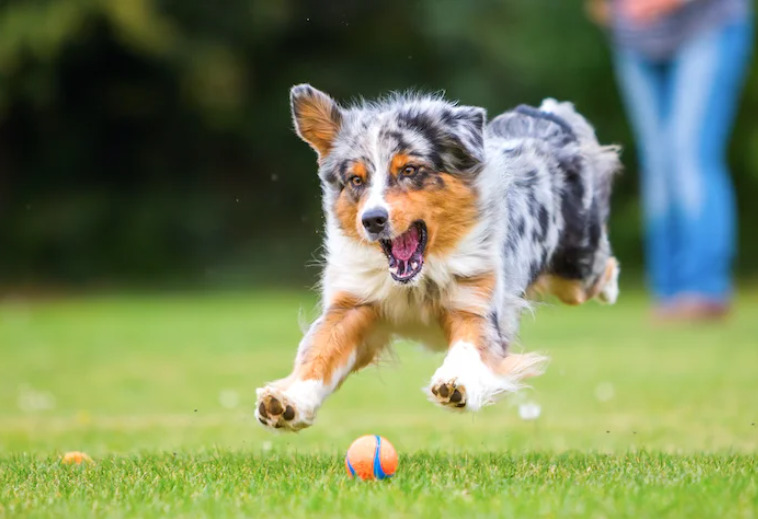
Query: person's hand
<point x="598" y="11"/>
<point x="647" y="11"/>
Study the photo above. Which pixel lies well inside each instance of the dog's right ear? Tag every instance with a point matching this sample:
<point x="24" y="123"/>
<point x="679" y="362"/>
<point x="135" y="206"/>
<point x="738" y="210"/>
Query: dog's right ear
<point x="317" y="117"/>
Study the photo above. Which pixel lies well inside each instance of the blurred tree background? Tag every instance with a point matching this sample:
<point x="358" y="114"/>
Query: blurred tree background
<point x="149" y="142"/>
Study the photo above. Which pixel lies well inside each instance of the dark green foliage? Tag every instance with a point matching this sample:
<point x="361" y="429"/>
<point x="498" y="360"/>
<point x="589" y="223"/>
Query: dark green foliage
<point x="151" y="139"/>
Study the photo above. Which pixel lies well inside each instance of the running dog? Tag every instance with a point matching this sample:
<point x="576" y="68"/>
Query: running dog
<point x="439" y="228"/>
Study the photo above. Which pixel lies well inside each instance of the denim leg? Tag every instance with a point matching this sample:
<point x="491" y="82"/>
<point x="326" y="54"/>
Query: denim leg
<point x="707" y="76"/>
<point x="644" y="86"/>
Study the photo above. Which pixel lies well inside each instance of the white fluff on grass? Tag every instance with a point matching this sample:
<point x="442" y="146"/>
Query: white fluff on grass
<point x="605" y="392"/>
<point x="229" y="398"/>
<point x="529" y="411"/>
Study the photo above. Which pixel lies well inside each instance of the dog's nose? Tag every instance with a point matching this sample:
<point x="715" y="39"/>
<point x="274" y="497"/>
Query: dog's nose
<point x="375" y="220"/>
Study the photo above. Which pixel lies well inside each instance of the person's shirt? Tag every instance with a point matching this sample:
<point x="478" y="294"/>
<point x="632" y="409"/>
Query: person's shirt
<point x="662" y="37"/>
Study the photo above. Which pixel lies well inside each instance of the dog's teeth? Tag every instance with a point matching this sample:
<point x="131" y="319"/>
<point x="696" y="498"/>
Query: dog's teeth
<point x="393" y="269"/>
<point x="414" y="265"/>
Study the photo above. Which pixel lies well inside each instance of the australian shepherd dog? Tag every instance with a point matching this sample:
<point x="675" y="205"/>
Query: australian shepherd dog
<point x="440" y="227"/>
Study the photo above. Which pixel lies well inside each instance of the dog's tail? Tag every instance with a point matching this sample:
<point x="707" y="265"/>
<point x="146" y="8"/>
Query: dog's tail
<point x="526" y="122"/>
<point x="604" y="161"/>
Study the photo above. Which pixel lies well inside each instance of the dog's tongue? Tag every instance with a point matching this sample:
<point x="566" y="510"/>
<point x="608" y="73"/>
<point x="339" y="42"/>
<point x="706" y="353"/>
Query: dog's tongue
<point x="406" y="244"/>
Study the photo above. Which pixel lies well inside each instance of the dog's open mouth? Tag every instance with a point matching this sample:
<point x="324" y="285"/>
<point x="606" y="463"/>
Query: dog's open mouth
<point x="406" y="252"/>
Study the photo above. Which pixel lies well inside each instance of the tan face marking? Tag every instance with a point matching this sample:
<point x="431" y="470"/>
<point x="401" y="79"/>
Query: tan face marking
<point x="448" y="209"/>
<point x="349" y="203"/>
<point x="398" y="162"/>
<point x="445" y="203"/>
<point x="359" y="170"/>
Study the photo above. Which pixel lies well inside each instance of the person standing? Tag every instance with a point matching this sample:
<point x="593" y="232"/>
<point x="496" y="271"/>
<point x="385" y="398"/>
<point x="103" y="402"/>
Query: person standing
<point x="681" y="65"/>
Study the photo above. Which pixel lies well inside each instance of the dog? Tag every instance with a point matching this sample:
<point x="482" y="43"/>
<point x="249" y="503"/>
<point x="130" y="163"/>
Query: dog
<point x="439" y="228"/>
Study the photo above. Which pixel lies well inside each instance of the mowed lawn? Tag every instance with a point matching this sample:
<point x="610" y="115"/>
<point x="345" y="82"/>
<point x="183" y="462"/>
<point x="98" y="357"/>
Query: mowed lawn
<point x="635" y="420"/>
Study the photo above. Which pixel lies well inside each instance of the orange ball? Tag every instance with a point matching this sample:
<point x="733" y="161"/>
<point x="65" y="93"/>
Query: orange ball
<point x="76" y="458"/>
<point x="371" y="457"/>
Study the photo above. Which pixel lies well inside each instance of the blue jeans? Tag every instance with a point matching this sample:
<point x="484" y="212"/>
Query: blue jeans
<point x="682" y="111"/>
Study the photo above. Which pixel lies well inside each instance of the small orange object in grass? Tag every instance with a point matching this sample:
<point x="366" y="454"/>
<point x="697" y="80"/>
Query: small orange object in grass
<point x="76" y="458"/>
<point x="371" y="457"/>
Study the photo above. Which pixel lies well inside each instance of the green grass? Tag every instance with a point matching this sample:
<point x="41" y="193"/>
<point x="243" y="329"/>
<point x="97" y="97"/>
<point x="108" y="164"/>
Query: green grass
<point x="637" y="420"/>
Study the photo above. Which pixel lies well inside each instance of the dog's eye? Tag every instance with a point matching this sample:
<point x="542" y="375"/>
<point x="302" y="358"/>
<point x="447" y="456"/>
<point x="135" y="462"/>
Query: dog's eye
<point x="409" y="171"/>
<point x="356" y="181"/>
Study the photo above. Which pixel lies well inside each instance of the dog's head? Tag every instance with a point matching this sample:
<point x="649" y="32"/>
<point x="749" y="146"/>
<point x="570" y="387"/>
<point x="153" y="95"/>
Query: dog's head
<point x="397" y="174"/>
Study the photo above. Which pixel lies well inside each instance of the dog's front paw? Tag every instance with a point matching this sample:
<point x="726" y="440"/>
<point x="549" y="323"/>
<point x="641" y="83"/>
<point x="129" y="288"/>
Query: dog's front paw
<point x="283" y="409"/>
<point x="465" y="383"/>
<point x="274" y="410"/>
<point x="448" y="394"/>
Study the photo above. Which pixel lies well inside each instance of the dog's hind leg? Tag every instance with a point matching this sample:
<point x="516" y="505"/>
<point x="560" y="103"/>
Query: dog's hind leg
<point x="608" y="284"/>
<point x="603" y="286"/>
<point x="344" y="339"/>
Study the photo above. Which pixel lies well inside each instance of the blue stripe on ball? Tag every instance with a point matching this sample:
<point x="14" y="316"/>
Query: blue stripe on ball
<point x="350" y="467"/>
<point x="378" y="472"/>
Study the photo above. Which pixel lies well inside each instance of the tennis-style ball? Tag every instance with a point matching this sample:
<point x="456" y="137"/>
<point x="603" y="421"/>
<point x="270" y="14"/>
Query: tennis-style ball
<point x="76" y="458"/>
<point x="371" y="457"/>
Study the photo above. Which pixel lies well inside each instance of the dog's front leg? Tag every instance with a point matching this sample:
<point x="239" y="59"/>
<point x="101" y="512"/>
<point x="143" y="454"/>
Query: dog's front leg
<point x="478" y="368"/>
<point x="335" y="345"/>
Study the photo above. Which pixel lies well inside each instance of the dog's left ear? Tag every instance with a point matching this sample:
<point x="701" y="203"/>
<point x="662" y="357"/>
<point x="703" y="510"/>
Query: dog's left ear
<point x="464" y="143"/>
<point x="317" y="117"/>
